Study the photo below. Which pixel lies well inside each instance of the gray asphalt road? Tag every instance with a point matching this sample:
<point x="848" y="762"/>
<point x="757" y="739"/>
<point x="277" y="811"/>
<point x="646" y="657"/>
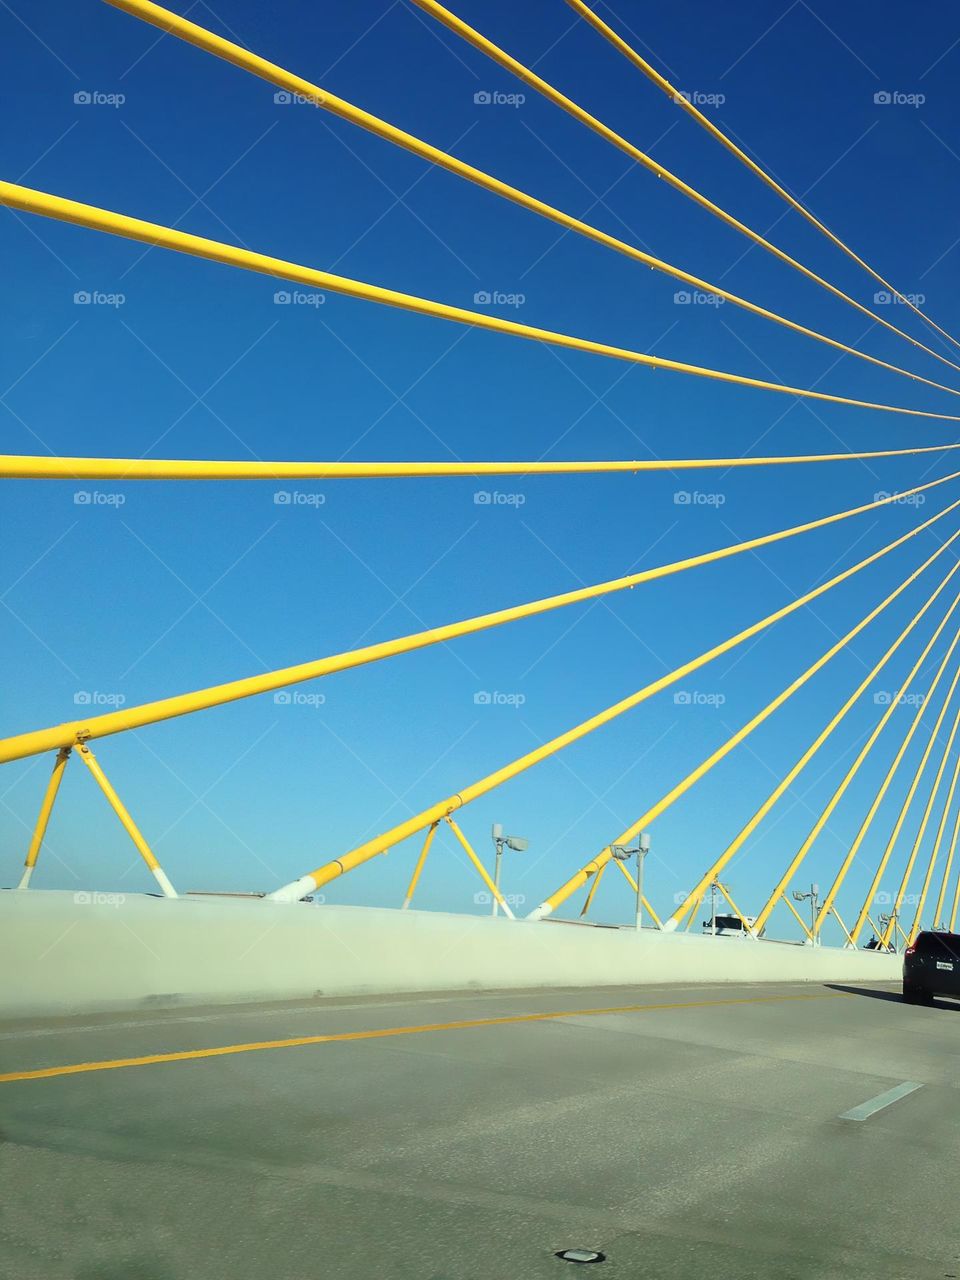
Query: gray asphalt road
<point x="700" y="1134"/>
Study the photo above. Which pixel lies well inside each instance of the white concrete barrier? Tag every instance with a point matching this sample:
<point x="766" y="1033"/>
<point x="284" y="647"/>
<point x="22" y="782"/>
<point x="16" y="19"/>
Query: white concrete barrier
<point x="72" y="952"/>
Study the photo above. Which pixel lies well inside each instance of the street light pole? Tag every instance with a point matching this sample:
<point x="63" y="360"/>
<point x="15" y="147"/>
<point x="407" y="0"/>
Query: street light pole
<point x="621" y="853"/>
<point x="501" y="842"/>
<point x="814" y="896"/>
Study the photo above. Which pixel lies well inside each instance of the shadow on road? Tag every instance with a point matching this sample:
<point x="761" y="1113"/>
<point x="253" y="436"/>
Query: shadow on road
<point x="874" y="994"/>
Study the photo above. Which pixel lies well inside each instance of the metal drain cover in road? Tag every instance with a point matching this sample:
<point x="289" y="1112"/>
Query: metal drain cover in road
<point x="580" y="1255"/>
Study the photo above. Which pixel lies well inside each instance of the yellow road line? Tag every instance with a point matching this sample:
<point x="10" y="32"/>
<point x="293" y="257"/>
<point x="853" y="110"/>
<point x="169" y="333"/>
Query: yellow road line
<point x="189" y="1055"/>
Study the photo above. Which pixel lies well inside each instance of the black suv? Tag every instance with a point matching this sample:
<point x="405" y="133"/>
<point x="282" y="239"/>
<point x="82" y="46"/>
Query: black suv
<point x="931" y="967"/>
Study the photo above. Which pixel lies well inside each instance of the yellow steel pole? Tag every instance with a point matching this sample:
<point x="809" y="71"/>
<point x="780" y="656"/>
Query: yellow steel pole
<point x="694" y="911"/>
<point x="941" y="896"/>
<point x="152" y="233"/>
<point x="593" y="889"/>
<point x="683" y="100"/>
<point x="419" y="867"/>
<point x="839" y="920"/>
<point x="714" y="871"/>
<point x="14" y="466"/>
<point x="733" y="906"/>
<point x="631" y="881"/>
<point x="331" y="870"/>
<point x="43" y="817"/>
<point x="128" y="824"/>
<point x="938" y="838"/>
<point x="482" y="870"/>
<point x="504" y="59"/>
<point x="956" y="904"/>
<point x="855" y="767"/>
<point x="136" y="717"/>
<point x="190" y="32"/>
<point x="803" y="924"/>
<point x="927" y="810"/>
<point x="864" y="916"/>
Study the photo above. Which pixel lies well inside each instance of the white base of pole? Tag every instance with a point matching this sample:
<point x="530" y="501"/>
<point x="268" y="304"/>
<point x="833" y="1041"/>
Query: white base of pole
<point x="25" y="878"/>
<point x="161" y="878"/>
<point x="295" y="891"/>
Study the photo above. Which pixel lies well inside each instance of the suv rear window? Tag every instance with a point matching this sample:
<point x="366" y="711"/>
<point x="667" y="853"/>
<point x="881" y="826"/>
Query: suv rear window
<point x="939" y="944"/>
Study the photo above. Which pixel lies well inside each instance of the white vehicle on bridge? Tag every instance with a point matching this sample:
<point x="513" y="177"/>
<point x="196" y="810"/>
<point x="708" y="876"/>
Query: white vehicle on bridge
<point x="730" y="926"/>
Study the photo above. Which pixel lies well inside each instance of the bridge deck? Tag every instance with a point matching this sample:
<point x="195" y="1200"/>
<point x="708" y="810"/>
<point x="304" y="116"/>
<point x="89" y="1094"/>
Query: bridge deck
<point x="698" y="1134"/>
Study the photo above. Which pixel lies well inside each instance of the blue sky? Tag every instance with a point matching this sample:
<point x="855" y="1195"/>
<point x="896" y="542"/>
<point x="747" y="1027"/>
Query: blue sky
<point x="179" y="586"/>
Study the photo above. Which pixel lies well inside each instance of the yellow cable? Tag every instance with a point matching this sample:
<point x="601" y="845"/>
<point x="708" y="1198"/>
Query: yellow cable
<point x="938" y="840"/>
<point x="911" y="790"/>
<point x="840" y="791"/>
<point x="956" y="904"/>
<point x="329" y="871"/>
<point x="941" y="896"/>
<point x="523" y="73"/>
<point x="927" y="812"/>
<point x="682" y="787"/>
<point x="152" y="233"/>
<point x="65" y="735"/>
<point x="682" y="101"/>
<point x="877" y="800"/>
<point x="36" y="467"/>
<point x="928" y="807"/>
<point x="202" y="38"/>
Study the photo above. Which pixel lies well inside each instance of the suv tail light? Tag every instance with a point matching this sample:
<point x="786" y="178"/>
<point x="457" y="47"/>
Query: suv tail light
<point x="911" y="950"/>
